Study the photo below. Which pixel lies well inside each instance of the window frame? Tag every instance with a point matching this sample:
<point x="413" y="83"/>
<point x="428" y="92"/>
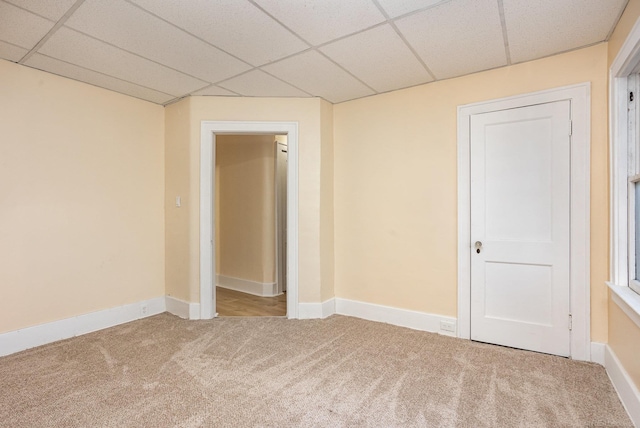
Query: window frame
<point x="623" y="143"/>
<point x="633" y="178"/>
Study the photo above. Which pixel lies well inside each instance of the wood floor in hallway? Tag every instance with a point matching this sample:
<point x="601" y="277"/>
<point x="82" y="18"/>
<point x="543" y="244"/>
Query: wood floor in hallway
<point x="230" y="303"/>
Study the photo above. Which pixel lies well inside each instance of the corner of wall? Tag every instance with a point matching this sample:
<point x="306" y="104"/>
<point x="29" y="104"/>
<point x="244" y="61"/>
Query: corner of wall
<point x="622" y="29"/>
<point x="177" y="137"/>
<point x="327" y="253"/>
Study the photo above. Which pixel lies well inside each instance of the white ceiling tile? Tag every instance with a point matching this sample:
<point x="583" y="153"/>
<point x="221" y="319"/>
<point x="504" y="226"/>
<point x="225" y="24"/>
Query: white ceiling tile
<point x="214" y="90"/>
<point x="11" y="52"/>
<point x="22" y="28"/>
<point x="396" y="8"/>
<point x="544" y="27"/>
<point x="458" y="37"/>
<point x="175" y="47"/>
<point x="52" y="9"/>
<point x="71" y="71"/>
<point x="379" y="58"/>
<point x="315" y="74"/>
<point x="71" y="46"/>
<point x="319" y="21"/>
<point x="257" y="83"/>
<point x="238" y="27"/>
<point x="142" y="33"/>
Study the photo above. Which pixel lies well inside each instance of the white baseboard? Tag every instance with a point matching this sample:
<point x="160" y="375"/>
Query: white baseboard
<point x="262" y="289"/>
<point x="316" y="310"/>
<point x="627" y="390"/>
<point x="328" y="307"/>
<point x="400" y="317"/>
<point x="309" y="310"/>
<point x="597" y="352"/>
<point x="182" y="309"/>
<point x="30" y="337"/>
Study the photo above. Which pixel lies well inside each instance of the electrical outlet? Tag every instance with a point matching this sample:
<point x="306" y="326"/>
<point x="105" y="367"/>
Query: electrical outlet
<point x="449" y="326"/>
<point x="144" y="309"/>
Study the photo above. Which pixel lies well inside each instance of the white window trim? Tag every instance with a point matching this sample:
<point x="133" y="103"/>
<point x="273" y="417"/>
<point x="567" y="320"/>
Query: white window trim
<point x="622" y="67"/>
<point x="633" y="177"/>
<point x="580" y="96"/>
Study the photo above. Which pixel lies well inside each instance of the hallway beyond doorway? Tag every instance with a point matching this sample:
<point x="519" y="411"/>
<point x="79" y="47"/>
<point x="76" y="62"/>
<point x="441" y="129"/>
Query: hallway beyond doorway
<point x="231" y="303"/>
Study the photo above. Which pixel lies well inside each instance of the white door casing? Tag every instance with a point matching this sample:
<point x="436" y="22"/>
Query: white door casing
<point x="208" y="131"/>
<point x="281" y="216"/>
<point x="520" y="195"/>
<point x="579" y="272"/>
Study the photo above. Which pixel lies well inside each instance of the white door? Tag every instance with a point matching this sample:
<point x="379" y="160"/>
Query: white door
<point x="520" y="200"/>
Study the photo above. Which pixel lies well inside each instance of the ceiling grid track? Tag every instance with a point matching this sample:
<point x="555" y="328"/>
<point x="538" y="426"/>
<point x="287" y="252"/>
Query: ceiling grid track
<point x="505" y="35"/>
<point x="51" y="32"/>
<point x="107" y="75"/>
<point x="282" y="80"/>
<point x="355" y="33"/>
<point x="188" y="32"/>
<point x="315" y="48"/>
<point x="137" y="55"/>
<point x="345" y="70"/>
<point x="220" y="83"/>
<point x="279" y="22"/>
<point x="411" y="48"/>
<point x="330" y="49"/>
<point x="403" y="38"/>
<point x="214" y="85"/>
<point x="253" y="67"/>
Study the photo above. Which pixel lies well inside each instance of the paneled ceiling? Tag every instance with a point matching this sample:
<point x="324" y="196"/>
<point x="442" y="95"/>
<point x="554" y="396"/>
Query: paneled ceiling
<point x="163" y="50"/>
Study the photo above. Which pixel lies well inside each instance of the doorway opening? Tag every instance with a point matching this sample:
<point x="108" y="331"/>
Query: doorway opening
<point x="250" y="224"/>
<point x="210" y="131"/>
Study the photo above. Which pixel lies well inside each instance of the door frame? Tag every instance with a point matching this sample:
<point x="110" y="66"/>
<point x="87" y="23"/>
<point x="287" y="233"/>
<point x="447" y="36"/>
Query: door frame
<point x="280" y="272"/>
<point x="580" y="97"/>
<point x="208" y="131"/>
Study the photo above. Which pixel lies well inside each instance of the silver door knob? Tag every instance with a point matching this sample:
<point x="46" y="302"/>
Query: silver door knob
<point x="478" y="246"/>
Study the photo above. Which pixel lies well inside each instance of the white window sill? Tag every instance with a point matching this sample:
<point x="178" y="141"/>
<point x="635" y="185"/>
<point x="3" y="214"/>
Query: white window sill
<point x="628" y="300"/>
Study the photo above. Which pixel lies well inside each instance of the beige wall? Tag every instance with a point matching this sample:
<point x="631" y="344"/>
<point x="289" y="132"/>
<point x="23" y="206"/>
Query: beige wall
<point x="624" y="26"/>
<point x="183" y="179"/>
<point x="624" y="339"/>
<point x="81" y="216"/>
<point x="624" y="335"/>
<point x="177" y="139"/>
<point x="326" y="203"/>
<point x="245" y="207"/>
<point x="395" y="184"/>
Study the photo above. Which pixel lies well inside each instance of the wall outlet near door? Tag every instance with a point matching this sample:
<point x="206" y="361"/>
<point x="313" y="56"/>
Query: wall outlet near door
<point x="449" y="326"/>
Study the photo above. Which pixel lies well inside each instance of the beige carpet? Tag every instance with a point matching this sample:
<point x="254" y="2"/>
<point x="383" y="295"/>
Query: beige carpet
<point x="273" y="372"/>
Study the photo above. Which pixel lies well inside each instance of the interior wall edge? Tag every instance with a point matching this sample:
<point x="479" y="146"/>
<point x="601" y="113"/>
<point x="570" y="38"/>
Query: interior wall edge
<point x="182" y="309"/>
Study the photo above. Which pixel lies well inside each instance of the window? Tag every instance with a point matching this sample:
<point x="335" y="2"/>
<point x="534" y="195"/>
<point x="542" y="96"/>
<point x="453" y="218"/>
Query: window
<point x="633" y="178"/>
<point x="624" y="116"/>
<point x="634" y="277"/>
